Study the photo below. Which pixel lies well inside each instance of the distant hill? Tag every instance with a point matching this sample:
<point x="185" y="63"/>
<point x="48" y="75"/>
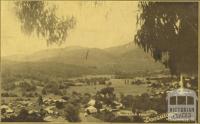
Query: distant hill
<point x="80" y="60"/>
<point x="43" y="70"/>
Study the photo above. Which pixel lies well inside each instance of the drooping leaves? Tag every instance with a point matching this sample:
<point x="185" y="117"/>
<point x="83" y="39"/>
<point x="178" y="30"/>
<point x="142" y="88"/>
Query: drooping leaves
<point x="169" y="31"/>
<point x="38" y="17"/>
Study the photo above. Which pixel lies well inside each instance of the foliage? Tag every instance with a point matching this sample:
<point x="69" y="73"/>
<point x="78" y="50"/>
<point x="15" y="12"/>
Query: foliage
<point x="144" y="102"/>
<point x="169" y="32"/>
<point x="63" y="86"/>
<point x="127" y="101"/>
<point x="98" y="105"/>
<point x="40" y="100"/>
<point x="65" y="97"/>
<point x="7" y="94"/>
<point x="38" y="17"/>
<point x="107" y="91"/>
<point x="24" y="116"/>
<point x="72" y="113"/>
<point x="106" y="95"/>
<point x="27" y="87"/>
<point x="41" y="71"/>
<point x="28" y="94"/>
<point x="3" y="111"/>
<point x="59" y="105"/>
<point x="52" y="87"/>
<point x="8" y="86"/>
<point x="8" y="79"/>
<point x="85" y="98"/>
<point x="94" y="80"/>
<point x="106" y="116"/>
<point x="44" y="92"/>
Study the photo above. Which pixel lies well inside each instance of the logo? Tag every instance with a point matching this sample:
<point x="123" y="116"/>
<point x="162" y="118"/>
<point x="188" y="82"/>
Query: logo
<point x="181" y="105"/>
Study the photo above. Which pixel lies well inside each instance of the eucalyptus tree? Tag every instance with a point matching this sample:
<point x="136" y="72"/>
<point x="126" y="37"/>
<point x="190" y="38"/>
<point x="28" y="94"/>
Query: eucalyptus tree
<point x="40" y="18"/>
<point x="169" y="31"/>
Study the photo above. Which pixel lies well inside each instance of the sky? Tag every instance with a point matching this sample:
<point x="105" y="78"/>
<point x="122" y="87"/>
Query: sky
<point x="110" y="23"/>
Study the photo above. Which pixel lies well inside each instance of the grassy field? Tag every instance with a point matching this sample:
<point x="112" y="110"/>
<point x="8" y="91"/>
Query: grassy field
<point x="117" y="84"/>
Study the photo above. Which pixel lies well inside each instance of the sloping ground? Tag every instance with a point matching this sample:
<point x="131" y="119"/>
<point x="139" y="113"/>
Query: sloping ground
<point x="79" y="60"/>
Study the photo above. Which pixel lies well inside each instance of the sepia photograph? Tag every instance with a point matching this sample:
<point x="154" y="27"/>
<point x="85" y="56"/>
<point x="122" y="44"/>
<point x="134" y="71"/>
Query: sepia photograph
<point x="99" y="61"/>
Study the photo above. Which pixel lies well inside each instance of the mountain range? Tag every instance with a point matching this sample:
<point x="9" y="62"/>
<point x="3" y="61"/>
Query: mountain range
<point x="125" y="58"/>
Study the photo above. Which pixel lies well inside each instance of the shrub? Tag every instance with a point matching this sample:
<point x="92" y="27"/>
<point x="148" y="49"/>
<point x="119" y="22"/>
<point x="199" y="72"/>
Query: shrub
<point x="59" y="105"/>
<point x="6" y="94"/>
<point x="72" y="113"/>
<point x="44" y="92"/>
<point x="65" y="97"/>
<point x="3" y="111"/>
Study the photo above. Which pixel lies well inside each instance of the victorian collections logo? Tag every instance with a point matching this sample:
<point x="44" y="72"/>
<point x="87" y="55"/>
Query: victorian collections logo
<point x="182" y="105"/>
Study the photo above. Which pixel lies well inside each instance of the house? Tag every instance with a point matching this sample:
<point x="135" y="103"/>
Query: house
<point x="25" y="103"/>
<point x="49" y="109"/>
<point x="91" y="102"/>
<point x="91" y="109"/>
<point x="118" y="105"/>
<point x="32" y="111"/>
<point x="7" y="109"/>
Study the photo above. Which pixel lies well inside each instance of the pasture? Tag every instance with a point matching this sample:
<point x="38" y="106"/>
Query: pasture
<point x="117" y="84"/>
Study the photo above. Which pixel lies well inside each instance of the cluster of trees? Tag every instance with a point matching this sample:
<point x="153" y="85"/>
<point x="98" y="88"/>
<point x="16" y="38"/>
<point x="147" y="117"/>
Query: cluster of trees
<point x="40" y="71"/>
<point x="134" y="103"/>
<point x="8" y="94"/>
<point x="72" y="113"/>
<point x="94" y="80"/>
<point x="8" y="80"/>
<point x="105" y="95"/>
<point x="137" y="102"/>
<point x="106" y="116"/>
<point x="24" y="116"/>
<point x="55" y="88"/>
<point x="27" y="87"/>
<point x="9" y="86"/>
<point x="137" y="82"/>
<point x="30" y="94"/>
<point x="72" y="108"/>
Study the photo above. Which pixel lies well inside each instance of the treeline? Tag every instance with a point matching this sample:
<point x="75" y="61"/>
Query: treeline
<point x="94" y="80"/>
<point x="12" y="71"/>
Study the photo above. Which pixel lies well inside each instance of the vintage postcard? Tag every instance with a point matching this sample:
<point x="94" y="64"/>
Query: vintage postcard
<point x="99" y="61"/>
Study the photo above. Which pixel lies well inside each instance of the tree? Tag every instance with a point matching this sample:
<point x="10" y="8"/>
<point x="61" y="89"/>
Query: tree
<point x="3" y="111"/>
<point x="72" y="113"/>
<point x="23" y="114"/>
<point x="169" y="32"/>
<point x="59" y="105"/>
<point x="108" y="95"/>
<point x="127" y="101"/>
<point x="38" y="17"/>
<point x="40" y="100"/>
<point x="44" y="92"/>
<point x="98" y="105"/>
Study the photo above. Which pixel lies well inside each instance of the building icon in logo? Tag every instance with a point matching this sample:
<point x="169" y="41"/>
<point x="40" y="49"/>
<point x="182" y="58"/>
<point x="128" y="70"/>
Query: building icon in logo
<point x="182" y="105"/>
